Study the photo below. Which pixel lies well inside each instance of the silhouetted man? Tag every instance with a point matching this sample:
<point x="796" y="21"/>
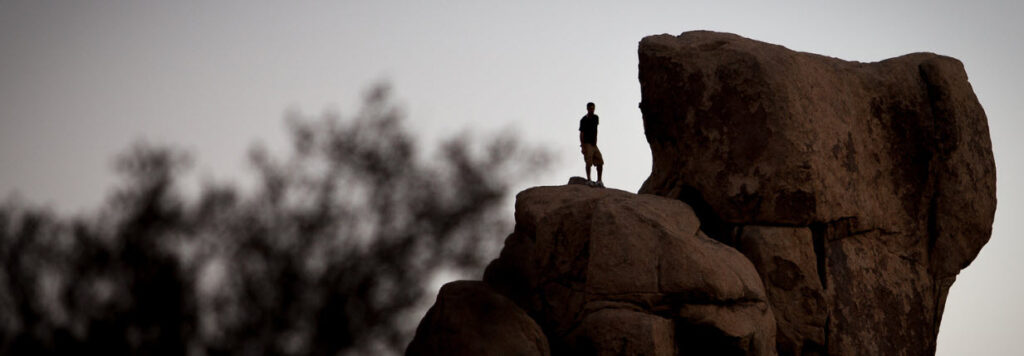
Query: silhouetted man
<point x="588" y="142"/>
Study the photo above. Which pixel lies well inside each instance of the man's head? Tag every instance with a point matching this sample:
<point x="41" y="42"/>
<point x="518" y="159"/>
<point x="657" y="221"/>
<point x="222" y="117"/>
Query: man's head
<point x="590" y="108"/>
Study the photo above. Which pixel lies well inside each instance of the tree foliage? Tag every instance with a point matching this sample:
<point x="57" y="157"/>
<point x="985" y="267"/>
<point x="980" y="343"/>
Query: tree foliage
<point x="329" y="254"/>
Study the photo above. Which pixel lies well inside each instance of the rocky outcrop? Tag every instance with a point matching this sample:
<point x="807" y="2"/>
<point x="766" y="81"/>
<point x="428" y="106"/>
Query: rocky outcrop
<point x="785" y="259"/>
<point x="609" y="272"/>
<point x="859" y="190"/>
<point x="471" y="319"/>
<point x="798" y="205"/>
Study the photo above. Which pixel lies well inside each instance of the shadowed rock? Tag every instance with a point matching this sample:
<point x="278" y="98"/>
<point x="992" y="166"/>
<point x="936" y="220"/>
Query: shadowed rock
<point x="471" y="319"/>
<point x="784" y="257"/>
<point x="887" y="166"/>
<point x="609" y="272"/>
<point x="798" y="204"/>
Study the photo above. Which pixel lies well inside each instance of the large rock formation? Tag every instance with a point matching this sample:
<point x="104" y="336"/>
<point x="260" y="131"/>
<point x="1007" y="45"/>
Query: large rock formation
<point x="859" y="190"/>
<point x="609" y="272"/>
<point x="808" y="206"/>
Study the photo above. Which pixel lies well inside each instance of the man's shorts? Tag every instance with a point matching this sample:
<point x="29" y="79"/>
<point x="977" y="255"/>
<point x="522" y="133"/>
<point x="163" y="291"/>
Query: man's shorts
<point x="592" y="155"/>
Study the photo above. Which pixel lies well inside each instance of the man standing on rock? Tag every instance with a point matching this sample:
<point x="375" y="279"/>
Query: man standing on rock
<point x="588" y="142"/>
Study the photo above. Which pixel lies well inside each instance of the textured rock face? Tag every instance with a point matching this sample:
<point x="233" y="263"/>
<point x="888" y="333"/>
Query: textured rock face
<point x="798" y="204"/>
<point x="471" y="319"/>
<point x="858" y="190"/>
<point x="784" y="256"/>
<point x="609" y="272"/>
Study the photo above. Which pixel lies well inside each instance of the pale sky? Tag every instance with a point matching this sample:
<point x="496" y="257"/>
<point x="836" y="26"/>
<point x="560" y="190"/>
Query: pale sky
<point x="81" y="80"/>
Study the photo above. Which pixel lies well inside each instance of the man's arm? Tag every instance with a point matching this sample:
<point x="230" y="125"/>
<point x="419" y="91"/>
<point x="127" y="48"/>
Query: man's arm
<point x="581" y="138"/>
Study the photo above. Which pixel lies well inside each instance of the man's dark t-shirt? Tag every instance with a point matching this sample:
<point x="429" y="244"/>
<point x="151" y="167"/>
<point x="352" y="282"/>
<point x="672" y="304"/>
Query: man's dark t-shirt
<point x="588" y="125"/>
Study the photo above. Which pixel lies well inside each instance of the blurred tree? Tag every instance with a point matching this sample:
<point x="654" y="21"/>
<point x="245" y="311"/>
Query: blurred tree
<point x="330" y="254"/>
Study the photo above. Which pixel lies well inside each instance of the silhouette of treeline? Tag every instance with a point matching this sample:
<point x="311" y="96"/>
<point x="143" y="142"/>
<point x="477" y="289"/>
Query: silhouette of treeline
<point x="329" y="254"/>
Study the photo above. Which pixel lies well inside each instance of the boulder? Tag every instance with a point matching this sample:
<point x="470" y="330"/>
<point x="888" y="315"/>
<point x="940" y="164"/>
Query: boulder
<point x="623" y="331"/>
<point x="784" y="257"/>
<point x="887" y="167"/>
<point x="471" y="319"/>
<point x="605" y="271"/>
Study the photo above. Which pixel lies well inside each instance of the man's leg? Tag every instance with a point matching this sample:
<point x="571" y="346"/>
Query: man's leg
<point x="600" y="168"/>
<point x="588" y="172"/>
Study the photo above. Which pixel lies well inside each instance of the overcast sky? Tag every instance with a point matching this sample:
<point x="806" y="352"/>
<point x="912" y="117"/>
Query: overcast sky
<point x="81" y="80"/>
